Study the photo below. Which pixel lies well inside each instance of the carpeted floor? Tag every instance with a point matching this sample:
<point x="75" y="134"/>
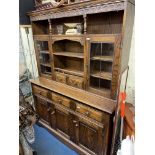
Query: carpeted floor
<point x="46" y="144"/>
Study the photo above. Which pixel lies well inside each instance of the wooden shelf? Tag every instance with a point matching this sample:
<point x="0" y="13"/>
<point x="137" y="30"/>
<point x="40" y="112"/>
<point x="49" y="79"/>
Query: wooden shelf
<point x="102" y="75"/>
<point x="44" y="51"/>
<point x="70" y="54"/>
<point x="103" y="58"/>
<point x="46" y="64"/>
<point x="49" y="73"/>
<point x="71" y="71"/>
<point x="100" y="91"/>
<point x="67" y="35"/>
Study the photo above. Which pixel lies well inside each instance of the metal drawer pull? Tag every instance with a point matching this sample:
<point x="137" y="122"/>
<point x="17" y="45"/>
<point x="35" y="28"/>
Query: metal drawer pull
<point x="53" y="112"/>
<point x="74" y="121"/>
<point x="76" y="125"/>
<point x="78" y="107"/>
<point x="48" y="109"/>
<point x="87" y="113"/>
<point x="59" y="100"/>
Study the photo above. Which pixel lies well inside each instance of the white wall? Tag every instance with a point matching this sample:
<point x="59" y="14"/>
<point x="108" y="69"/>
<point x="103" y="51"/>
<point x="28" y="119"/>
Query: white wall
<point x="27" y="52"/>
<point x="131" y="77"/>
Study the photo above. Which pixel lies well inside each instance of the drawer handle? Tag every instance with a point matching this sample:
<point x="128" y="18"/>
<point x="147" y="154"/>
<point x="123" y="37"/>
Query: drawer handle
<point x="87" y="113"/>
<point x="76" y="125"/>
<point x="78" y="107"/>
<point x="74" y="121"/>
<point x="40" y="92"/>
<point x="59" y="100"/>
<point x="53" y="112"/>
<point x="48" y="109"/>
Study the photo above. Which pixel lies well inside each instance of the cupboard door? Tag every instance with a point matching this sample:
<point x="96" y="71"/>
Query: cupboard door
<point x="44" y="59"/>
<point x="62" y="121"/>
<point x="91" y="137"/>
<point x="52" y="116"/>
<point x="104" y="65"/>
<point x="42" y="108"/>
<point x="74" y="132"/>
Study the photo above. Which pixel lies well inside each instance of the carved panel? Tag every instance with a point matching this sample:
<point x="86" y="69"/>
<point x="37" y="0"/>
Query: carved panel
<point x="81" y="11"/>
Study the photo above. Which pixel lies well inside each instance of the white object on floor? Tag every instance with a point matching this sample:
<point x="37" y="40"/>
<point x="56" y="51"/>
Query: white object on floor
<point x="127" y="147"/>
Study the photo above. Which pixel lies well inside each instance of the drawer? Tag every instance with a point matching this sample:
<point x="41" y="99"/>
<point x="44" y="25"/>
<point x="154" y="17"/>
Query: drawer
<point x="75" y="81"/>
<point x="61" y="100"/>
<point x="40" y="91"/>
<point x="89" y="112"/>
<point x="61" y="77"/>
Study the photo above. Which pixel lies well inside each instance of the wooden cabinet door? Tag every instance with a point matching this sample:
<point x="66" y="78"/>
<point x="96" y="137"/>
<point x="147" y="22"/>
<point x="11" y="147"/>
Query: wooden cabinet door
<point x="74" y="132"/>
<point x="42" y="108"/>
<point x="52" y="116"/>
<point x="90" y="137"/>
<point x="62" y="122"/>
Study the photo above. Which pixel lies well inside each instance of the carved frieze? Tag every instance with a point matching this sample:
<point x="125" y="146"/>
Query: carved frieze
<point x="80" y="11"/>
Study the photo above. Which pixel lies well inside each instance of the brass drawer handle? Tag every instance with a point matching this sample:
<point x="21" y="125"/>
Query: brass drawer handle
<point x="87" y="113"/>
<point x="53" y="112"/>
<point x="60" y="101"/>
<point x="48" y="109"/>
<point x="74" y="121"/>
<point x="78" y="107"/>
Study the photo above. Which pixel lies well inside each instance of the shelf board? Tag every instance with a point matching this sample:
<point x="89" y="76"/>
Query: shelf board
<point x="70" y="54"/>
<point x="71" y="71"/>
<point x="102" y="75"/>
<point x="46" y="64"/>
<point x="103" y="58"/>
<point x="48" y="76"/>
<point x="44" y="51"/>
<point x="49" y="73"/>
<point x="100" y="91"/>
<point x="67" y="35"/>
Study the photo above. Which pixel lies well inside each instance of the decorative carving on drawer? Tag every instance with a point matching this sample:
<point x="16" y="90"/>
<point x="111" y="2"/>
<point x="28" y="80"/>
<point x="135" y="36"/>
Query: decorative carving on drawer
<point x="40" y="91"/>
<point x="75" y="82"/>
<point x="60" y="100"/>
<point x="60" y="77"/>
<point x="89" y="112"/>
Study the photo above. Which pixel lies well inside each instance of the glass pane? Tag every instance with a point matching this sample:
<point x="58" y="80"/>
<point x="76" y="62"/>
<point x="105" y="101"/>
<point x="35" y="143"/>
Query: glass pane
<point x="102" y="49"/>
<point x="42" y="45"/>
<point x="45" y="70"/>
<point x="107" y="49"/>
<point x="101" y="61"/>
<point x="44" y="57"/>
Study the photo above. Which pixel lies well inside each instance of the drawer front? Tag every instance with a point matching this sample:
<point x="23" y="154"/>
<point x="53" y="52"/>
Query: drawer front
<point x="75" y="81"/>
<point x="89" y="112"/>
<point x="61" y="100"/>
<point x="40" y="91"/>
<point x="60" y="77"/>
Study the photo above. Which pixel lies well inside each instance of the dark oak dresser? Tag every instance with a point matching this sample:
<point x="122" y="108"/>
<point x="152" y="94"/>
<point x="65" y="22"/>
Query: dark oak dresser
<point x="82" y="49"/>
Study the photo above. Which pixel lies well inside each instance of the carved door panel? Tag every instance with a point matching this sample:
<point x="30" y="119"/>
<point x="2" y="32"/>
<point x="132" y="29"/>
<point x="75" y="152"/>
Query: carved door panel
<point x="62" y="121"/>
<point x="42" y="108"/>
<point x="91" y="137"/>
<point x="52" y="116"/>
<point x="74" y="132"/>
